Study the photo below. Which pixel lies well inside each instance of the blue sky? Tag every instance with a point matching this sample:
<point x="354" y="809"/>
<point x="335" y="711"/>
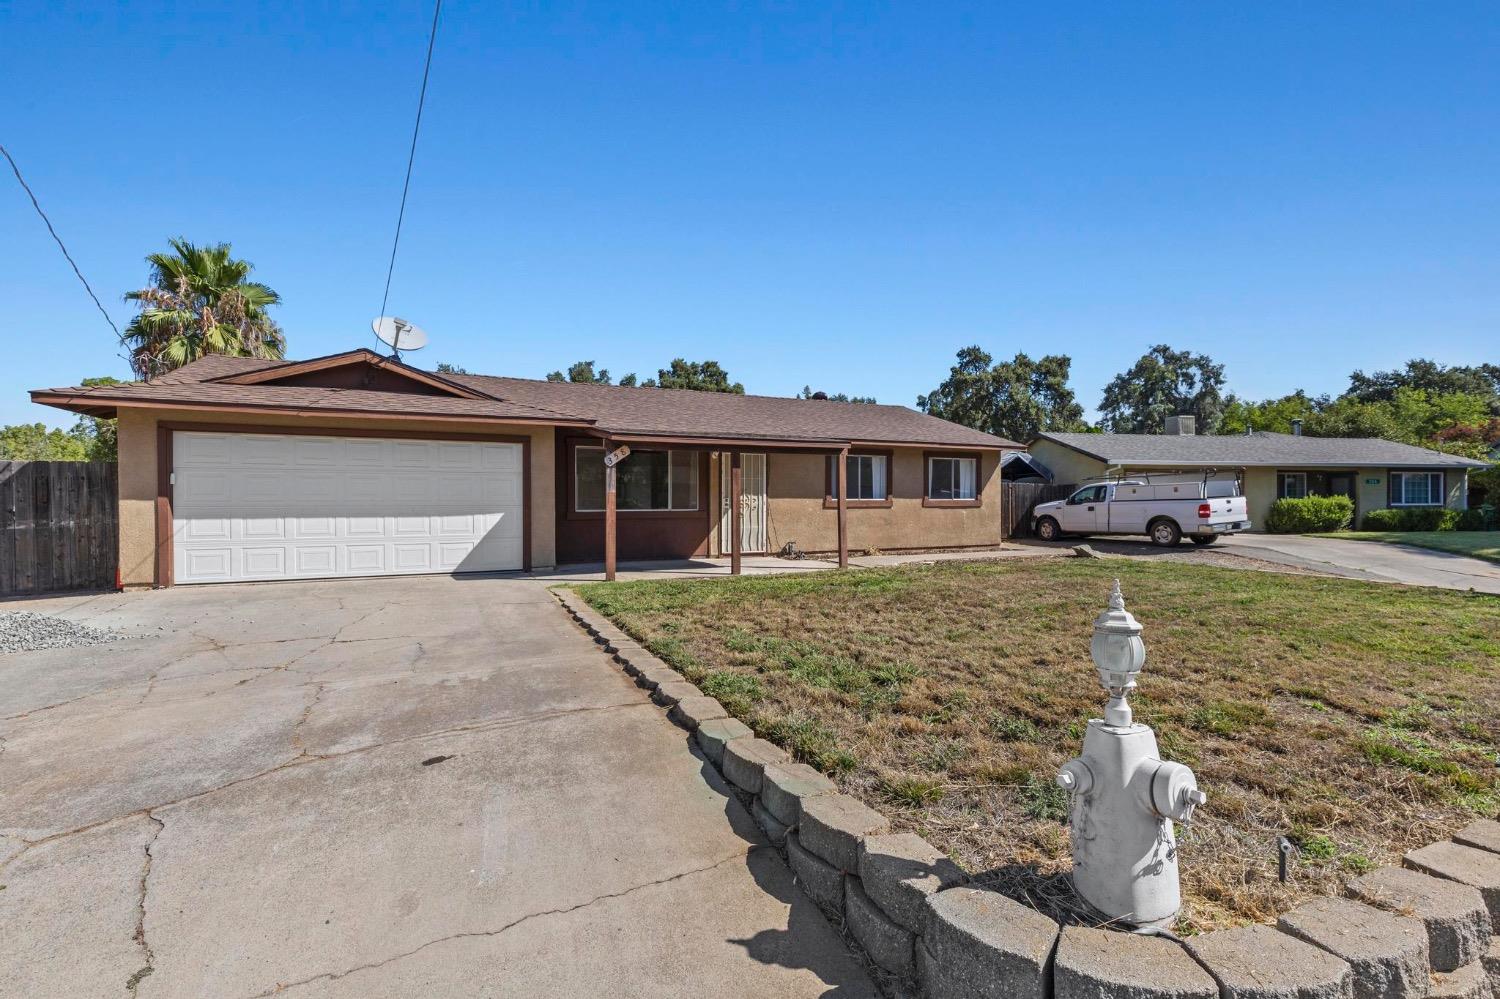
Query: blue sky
<point x="841" y="195"/>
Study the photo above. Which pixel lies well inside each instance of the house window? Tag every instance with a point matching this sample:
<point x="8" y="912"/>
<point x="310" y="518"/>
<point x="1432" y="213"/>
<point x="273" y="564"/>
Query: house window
<point x="647" y="480"/>
<point x="866" y="474"/>
<point x="1291" y="485"/>
<point x="951" y="478"/>
<point x="1417" y="489"/>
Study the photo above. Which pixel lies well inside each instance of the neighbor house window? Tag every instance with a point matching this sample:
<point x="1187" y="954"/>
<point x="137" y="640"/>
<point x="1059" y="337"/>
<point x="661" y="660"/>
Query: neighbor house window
<point x="866" y="474"/>
<point x="1417" y="489"/>
<point x="647" y="480"/>
<point x="1291" y="485"/>
<point x="951" y="478"/>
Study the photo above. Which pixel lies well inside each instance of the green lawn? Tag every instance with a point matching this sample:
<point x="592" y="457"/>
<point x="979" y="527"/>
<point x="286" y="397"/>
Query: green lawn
<point x="1479" y="544"/>
<point x="1359" y="719"/>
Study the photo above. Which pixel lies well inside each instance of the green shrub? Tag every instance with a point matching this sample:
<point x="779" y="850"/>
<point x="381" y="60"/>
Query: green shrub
<point x="1473" y="520"/>
<point x="1383" y="520"/>
<point x="1309" y="514"/>
<point x="1421" y="518"/>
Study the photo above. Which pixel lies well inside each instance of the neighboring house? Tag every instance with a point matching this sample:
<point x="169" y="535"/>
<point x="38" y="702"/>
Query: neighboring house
<point x="356" y="464"/>
<point x="1373" y="473"/>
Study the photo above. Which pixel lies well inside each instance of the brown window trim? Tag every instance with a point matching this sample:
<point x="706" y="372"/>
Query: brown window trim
<point x="953" y="504"/>
<point x="165" y="429"/>
<point x="571" y="512"/>
<point x="830" y="502"/>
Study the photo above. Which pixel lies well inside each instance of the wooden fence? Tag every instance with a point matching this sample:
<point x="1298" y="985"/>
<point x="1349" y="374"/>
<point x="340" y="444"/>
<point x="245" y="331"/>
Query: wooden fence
<point x="1017" y="499"/>
<point x="59" y="526"/>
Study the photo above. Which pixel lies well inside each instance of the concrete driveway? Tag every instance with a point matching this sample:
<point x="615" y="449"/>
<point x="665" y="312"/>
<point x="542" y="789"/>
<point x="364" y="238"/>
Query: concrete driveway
<point x="1370" y="560"/>
<point x="401" y="787"/>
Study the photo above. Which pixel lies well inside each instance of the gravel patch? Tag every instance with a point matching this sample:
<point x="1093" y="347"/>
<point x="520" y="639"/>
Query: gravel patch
<point x="25" y="631"/>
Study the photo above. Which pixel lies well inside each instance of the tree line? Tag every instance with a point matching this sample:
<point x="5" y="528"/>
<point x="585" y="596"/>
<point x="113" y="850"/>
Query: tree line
<point x="1454" y="409"/>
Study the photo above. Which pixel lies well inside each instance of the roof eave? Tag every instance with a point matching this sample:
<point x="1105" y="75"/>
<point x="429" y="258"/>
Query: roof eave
<point x="74" y="403"/>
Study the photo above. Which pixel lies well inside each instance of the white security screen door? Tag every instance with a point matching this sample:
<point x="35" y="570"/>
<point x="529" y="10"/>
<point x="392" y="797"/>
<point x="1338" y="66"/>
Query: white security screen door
<point x="752" y="503"/>
<point x="293" y="506"/>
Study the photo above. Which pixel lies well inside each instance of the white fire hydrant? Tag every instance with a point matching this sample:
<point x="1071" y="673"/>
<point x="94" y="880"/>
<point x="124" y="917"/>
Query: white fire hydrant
<point x="1124" y="796"/>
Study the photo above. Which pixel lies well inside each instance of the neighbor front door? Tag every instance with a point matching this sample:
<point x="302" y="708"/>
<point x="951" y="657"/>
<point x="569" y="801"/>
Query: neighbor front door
<point x="752" y="503"/>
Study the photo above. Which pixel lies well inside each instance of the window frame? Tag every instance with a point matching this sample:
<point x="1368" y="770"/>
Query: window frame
<point x="1401" y="474"/>
<point x="929" y="501"/>
<point x="575" y="512"/>
<point x="1281" y="478"/>
<point x="830" y="483"/>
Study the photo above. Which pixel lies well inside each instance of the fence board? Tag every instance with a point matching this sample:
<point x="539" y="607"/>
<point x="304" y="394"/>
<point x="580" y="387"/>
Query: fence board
<point x="1017" y="499"/>
<point x="59" y="525"/>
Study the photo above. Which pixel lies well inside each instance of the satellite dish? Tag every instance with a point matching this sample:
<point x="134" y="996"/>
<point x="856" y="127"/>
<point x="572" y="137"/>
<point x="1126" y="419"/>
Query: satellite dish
<point x="398" y="334"/>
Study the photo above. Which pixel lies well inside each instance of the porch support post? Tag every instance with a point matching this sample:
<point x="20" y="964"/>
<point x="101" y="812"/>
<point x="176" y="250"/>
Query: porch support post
<point x="736" y="481"/>
<point x="609" y="516"/>
<point x="843" y="486"/>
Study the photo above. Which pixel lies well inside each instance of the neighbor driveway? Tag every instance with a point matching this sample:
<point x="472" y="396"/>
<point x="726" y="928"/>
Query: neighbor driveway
<point x="1370" y="560"/>
<point x="399" y="787"/>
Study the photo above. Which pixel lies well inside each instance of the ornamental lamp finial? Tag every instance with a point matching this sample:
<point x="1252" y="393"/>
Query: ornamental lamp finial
<point x="1118" y="654"/>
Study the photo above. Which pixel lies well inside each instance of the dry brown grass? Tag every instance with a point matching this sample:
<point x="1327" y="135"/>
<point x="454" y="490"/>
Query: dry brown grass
<point x="1358" y="719"/>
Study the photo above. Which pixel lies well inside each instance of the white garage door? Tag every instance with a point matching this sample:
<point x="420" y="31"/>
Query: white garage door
<point x="290" y="506"/>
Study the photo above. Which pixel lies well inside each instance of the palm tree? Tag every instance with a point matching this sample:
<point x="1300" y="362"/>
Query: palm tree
<point x="200" y="303"/>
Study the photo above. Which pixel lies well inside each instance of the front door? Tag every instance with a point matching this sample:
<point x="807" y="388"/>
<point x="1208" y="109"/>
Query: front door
<point x="752" y="504"/>
<point x="1342" y="484"/>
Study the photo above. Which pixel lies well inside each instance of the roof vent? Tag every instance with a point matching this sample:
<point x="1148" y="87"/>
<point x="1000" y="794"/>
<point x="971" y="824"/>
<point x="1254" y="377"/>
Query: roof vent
<point x="1182" y="426"/>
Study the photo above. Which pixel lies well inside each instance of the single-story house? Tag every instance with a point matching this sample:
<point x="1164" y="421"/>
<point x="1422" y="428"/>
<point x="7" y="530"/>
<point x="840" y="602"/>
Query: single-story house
<point x="356" y="464"/>
<point x="1373" y="473"/>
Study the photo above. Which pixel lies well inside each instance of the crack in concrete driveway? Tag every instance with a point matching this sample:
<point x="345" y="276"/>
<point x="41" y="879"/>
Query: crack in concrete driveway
<point x="172" y="830"/>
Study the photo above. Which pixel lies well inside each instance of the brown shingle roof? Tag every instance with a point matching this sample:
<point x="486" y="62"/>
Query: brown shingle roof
<point x="639" y="412"/>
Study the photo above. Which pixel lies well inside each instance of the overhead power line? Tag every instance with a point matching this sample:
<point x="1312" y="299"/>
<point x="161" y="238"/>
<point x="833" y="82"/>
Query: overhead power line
<point x="58" y="239"/>
<point x="412" y="155"/>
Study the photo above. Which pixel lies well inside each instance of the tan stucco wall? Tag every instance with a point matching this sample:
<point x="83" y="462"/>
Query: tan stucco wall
<point x="137" y="473"/>
<point x="1067" y="466"/>
<point x="795" y="512"/>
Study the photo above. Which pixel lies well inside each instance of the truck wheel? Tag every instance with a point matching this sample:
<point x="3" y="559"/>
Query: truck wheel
<point x="1204" y="540"/>
<point x="1165" y="533"/>
<point x="1047" y="529"/>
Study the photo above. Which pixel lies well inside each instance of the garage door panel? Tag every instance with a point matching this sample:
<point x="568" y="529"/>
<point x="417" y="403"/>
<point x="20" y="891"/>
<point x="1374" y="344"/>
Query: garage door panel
<point x="267" y="506"/>
<point x="263" y="562"/>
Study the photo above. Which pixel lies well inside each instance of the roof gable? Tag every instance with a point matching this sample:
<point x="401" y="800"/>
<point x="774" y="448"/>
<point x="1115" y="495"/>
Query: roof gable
<point x="357" y="369"/>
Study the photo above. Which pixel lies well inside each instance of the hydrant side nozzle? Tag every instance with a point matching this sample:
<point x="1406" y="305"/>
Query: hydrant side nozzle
<point x="1174" y="792"/>
<point x="1075" y="777"/>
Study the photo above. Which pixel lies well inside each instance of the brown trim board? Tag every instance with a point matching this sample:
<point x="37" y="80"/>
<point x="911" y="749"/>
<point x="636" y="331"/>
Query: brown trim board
<point x="165" y="429"/>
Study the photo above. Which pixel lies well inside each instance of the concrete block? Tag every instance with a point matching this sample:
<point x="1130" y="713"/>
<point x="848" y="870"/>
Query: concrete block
<point x="982" y="945"/>
<point x="784" y="785"/>
<point x="1491" y="962"/>
<point x="745" y="760"/>
<point x="626" y="655"/>
<point x="1260" y="962"/>
<point x="1388" y="953"/>
<point x="1106" y="964"/>
<point x="1468" y="982"/>
<point x="889" y="946"/>
<point x="1458" y="924"/>
<point x="823" y="883"/>
<point x="775" y="830"/>
<point x="1464" y="864"/>
<point x="713" y="735"/>
<point x="650" y="677"/>
<point x="668" y="694"/>
<point x="1482" y="834"/>
<point x="899" y="871"/>
<point x="690" y="712"/>
<point x="832" y="825"/>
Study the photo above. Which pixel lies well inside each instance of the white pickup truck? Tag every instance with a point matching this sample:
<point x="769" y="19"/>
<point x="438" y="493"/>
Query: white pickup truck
<point x="1202" y="509"/>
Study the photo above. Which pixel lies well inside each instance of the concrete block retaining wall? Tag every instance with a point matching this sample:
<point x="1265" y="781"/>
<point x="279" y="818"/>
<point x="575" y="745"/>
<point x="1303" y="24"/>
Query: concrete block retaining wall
<point x="1426" y="930"/>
